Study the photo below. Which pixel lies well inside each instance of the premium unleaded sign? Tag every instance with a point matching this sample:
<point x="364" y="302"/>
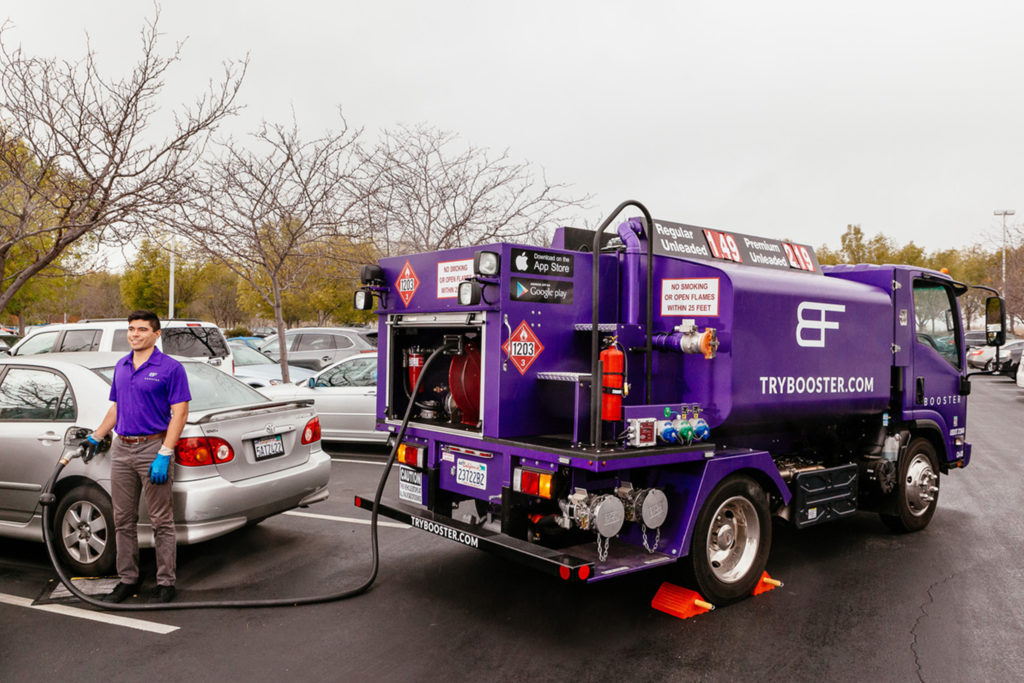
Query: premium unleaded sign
<point x="691" y="241"/>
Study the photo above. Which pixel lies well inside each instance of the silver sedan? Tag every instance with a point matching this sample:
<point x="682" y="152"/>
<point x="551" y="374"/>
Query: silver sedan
<point x="346" y="398"/>
<point x="241" y="457"/>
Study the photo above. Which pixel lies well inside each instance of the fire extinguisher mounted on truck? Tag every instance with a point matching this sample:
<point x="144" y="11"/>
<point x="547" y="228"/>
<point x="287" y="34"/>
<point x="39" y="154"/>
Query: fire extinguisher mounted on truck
<point x="614" y="403"/>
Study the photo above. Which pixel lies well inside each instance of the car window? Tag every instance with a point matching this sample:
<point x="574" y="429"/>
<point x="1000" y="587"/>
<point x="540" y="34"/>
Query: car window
<point x="120" y="340"/>
<point x="316" y="342"/>
<point x="342" y="341"/>
<point x="210" y="388"/>
<point x="29" y="394"/>
<point x="246" y="355"/>
<point x="194" y="342"/>
<point x="40" y="343"/>
<point x="936" y="320"/>
<point x="360" y="372"/>
<point x="81" y="340"/>
<point x="369" y="337"/>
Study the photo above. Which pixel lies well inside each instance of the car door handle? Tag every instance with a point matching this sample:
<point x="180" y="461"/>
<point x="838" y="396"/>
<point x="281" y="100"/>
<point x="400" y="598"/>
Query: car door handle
<point x="325" y="358"/>
<point x="371" y="392"/>
<point x="48" y="436"/>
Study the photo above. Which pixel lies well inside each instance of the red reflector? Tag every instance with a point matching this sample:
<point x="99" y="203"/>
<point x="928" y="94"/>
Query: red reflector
<point x="584" y="572"/>
<point x="311" y="432"/>
<point x="531" y="482"/>
<point x="359" y="502"/>
<point x="564" y="572"/>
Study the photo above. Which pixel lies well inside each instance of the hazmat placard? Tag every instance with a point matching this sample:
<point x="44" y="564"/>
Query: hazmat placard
<point x="691" y="297"/>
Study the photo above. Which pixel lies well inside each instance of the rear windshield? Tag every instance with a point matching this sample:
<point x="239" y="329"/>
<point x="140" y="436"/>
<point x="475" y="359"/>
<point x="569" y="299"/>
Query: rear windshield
<point x="194" y="342"/>
<point x="369" y="337"/>
<point x="210" y="388"/>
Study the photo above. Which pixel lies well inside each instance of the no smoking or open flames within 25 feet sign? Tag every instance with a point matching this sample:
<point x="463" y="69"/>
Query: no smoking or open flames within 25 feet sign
<point x="407" y="283"/>
<point x="523" y="347"/>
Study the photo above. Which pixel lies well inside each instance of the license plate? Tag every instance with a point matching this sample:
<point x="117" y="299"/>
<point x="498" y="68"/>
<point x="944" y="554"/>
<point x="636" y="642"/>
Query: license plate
<point x="471" y="473"/>
<point x="268" y="447"/>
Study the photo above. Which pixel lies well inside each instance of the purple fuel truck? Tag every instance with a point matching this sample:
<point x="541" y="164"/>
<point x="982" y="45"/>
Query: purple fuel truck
<point x="619" y="402"/>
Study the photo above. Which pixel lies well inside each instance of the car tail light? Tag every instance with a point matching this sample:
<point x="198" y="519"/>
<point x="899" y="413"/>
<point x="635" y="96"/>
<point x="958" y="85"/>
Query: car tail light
<point x="311" y="432"/>
<point x="197" y="451"/>
<point x="975" y="352"/>
<point x="411" y="455"/>
<point x="532" y="482"/>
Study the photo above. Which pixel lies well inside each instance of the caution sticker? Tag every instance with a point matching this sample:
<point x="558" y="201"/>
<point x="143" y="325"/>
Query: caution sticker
<point x="407" y="283"/>
<point x="523" y="347"/>
<point x="694" y="296"/>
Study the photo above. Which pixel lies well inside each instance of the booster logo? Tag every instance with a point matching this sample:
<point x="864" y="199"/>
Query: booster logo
<point x="812" y="317"/>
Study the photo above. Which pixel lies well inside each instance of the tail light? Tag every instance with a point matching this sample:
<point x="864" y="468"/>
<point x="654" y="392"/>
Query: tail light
<point x="311" y="432"/>
<point x="411" y="455"/>
<point x="532" y="482"/>
<point x="197" y="451"/>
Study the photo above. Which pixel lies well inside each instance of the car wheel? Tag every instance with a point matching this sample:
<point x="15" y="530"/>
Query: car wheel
<point x="731" y="541"/>
<point x="989" y="366"/>
<point x="917" y="494"/>
<point x="84" y="531"/>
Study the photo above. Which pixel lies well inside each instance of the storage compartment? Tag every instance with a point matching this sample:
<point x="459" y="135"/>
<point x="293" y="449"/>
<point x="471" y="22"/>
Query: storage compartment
<point x="824" y="495"/>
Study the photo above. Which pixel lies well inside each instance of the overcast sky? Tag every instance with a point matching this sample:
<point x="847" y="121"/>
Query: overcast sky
<point x="786" y="119"/>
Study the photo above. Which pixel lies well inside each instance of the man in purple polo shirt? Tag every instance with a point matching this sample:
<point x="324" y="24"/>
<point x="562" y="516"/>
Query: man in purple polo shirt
<point x="150" y="395"/>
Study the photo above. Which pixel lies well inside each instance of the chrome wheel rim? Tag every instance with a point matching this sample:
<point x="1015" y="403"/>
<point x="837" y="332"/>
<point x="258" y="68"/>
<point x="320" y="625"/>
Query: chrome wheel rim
<point x="84" y="532"/>
<point x="922" y="485"/>
<point x="733" y="539"/>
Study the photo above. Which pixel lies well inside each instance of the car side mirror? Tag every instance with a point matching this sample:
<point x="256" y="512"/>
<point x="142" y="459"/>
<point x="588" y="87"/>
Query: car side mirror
<point x="311" y="382"/>
<point x="995" y="321"/>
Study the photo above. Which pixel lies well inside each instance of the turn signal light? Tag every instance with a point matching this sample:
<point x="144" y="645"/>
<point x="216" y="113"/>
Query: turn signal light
<point x="311" y="432"/>
<point x="202" y="450"/>
<point x="532" y="482"/>
<point x="411" y="455"/>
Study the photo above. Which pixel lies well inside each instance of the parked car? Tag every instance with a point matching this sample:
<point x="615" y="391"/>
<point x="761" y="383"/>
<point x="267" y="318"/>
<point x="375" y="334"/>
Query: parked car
<point x="974" y="338"/>
<point x="1009" y="361"/>
<point x="251" y="342"/>
<point x="318" y="347"/>
<point x="188" y="338"/>
<point x="346" y="399"/>
<point x="241" y="457"/>
<point x="984" y="357"/>
<point x="256" y="370"/>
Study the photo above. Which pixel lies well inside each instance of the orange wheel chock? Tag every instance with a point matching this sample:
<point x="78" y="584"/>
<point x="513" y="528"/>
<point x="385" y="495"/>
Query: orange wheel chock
<point x="765" y="584"/>
<point x="680" y="602"/>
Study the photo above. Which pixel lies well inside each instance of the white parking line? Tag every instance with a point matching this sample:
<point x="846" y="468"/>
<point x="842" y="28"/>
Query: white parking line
<point x="353" y="520"/>
<point x="112" y="619"/>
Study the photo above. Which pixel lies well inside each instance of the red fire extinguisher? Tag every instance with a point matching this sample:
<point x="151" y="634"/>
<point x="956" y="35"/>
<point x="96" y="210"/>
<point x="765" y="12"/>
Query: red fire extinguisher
<point x="612" y="381"/>
<point x="415" y="360"/>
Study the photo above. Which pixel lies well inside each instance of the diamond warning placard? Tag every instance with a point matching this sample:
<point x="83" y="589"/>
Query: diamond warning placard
<point x="523" y="347"/>
<point x="407" y="283"/>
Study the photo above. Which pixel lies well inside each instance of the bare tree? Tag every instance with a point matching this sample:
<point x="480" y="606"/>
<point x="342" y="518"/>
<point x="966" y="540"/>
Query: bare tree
<point x="79" y="156"/>
<point x="423" y="190"/>
<point x="265" y="212"/>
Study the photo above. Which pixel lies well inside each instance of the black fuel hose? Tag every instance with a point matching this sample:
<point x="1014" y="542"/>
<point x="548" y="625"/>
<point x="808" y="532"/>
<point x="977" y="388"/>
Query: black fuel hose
<point x="47" y="499"/>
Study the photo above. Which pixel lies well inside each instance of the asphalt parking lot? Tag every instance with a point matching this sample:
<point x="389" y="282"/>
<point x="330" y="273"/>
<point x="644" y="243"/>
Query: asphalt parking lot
<point x="859" y="603"/>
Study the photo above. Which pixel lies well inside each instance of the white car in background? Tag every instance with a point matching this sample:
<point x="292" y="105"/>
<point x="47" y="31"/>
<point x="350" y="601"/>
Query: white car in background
<point x="256" y="370"/>
<point x="345" y="395"/>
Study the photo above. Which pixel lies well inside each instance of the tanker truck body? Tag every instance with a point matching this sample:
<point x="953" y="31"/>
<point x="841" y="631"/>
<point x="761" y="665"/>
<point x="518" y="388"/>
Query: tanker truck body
<point x="727" y="379"/>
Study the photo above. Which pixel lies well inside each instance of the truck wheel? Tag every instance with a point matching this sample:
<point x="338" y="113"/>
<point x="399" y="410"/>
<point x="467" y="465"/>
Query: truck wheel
<point x="83" y="531"/>
<point x="917" y="495"/>
<point x="731" y="541"/>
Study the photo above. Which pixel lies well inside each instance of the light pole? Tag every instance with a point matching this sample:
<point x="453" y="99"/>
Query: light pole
<point x="1004" y="213"/>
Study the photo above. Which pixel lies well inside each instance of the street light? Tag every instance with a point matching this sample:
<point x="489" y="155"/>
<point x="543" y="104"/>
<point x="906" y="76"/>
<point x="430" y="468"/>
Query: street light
<point x="1004" y="213"/>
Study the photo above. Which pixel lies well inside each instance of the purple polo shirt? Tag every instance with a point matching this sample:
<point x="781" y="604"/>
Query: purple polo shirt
<point x="144" y="397"/>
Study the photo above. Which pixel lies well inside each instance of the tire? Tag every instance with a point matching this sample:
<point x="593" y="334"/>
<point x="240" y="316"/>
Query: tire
<point x="989" y="366"/>
<point x="917" y="493"/>
<point x="83" y="531"/>
<point x="731" y="541"/>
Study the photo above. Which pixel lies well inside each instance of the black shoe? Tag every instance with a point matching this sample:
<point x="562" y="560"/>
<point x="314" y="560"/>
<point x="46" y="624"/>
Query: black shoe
<point x="164" y="593"/>
<point x="121" y="591"/>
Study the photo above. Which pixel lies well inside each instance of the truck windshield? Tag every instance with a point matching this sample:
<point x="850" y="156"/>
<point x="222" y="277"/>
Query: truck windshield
<point x="936" y="320"/>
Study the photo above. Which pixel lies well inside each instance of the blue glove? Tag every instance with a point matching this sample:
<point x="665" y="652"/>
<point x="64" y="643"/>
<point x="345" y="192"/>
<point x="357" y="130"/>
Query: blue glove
<point x="158" y="470"/>
<point x="89" y="447"/>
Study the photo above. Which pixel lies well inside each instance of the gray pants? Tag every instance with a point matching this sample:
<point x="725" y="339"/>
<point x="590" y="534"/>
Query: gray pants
<point x="129" y="479"/>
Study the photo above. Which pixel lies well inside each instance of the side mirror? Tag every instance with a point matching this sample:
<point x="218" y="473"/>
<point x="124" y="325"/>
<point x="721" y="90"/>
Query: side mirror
<point x="311" y="382"/>
<point x="995" y="321"/>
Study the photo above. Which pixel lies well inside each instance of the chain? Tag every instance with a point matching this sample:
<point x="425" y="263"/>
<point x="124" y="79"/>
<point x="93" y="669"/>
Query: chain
<point x="602" y="551"/>
<point x="657" y="538"/>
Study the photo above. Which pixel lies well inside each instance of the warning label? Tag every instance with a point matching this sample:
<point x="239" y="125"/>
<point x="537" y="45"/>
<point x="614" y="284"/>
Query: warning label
<point x="407" y="283"/>
<point x="450" y="274"/>
<point x="696" y="296"/>
<point x="523" y="347"/>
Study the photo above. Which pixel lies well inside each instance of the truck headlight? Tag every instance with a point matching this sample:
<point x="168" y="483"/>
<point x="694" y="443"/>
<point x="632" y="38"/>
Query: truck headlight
<point x="469" y="293"/>
<point x="486" y="263"/>
<point x="363" y="300"/>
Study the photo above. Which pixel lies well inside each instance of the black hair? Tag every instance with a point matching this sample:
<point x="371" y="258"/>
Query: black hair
<point x="148" y="316"/>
